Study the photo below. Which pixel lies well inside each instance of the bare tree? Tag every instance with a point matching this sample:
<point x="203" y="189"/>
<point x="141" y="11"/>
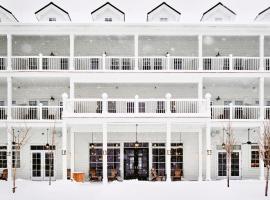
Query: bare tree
<point x="228" y="146"/>
<point x="265" y="151"/>
<point x="51" y="153"/>
<point x="19" y="139"/>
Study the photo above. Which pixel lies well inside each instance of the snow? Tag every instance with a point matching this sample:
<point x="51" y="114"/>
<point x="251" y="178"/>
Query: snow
<point x="187" y="190"/>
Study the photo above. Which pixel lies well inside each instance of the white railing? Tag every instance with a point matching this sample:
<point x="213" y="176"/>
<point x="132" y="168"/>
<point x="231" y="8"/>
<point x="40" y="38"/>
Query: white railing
<point x="235" y="112"/>
<point x="55" y="63"/>
<point x="216" y="63"/>
<point x="27" y="63"/>
<point x="85" y="106"/>
<point x="267" y="112"/>
<point x="184" y="63"/>
<point x="88" y="63"/>
<point x="3" y="112"/>
<point x="120" y="63"/>
<point x="3" y="63"/>
<point x="187" y="106"/>
<point x="36" y="112"/>
<point x="246" y="63"/>
<point x="267" y="63"/>
<point x="152" y="63"/>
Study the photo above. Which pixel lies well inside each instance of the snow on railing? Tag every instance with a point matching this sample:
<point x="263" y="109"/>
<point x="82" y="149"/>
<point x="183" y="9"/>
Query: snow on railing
<point x="88" y="63"/>
<point x="119" y="63"/>
<point x="36" y="112"/>
<point x="184" y="63"/>
<point x="235" y="112"/>
<point x="3" y="63"/>
<point x="3" y="112"/>
<point x="152" y="63"/>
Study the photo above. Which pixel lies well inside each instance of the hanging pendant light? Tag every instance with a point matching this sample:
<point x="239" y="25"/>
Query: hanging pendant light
<point x="136" y="142"/>
<point x="92" y="145"/>
<point x="249" y="142"/>
<point x="47" y="145"/>
<point x="13" y="137"/>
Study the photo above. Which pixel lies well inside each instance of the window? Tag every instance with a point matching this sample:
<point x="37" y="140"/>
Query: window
<point x="141" y="107"/>
<point x="255" y="157"/>
<point x="130" y="107"/>
<point x="113" y="157"/>
<point x="218" y="19"/>
<point x="108" y="19"/>
<point x="163" y="19"/>
<point x="158" y="162"/>
<point x="3" y="157"/>
<point x="95" y="158"/>
<point x="176" y="157"/>
<point x="112" y="106"/>
<point x="2" y="64"/>
<point x="52" y="19"/>
<point x="15" y="157"/>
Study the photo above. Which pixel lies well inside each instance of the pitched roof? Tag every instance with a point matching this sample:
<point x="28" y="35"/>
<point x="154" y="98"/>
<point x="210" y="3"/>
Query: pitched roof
<point x="9" y="12"/>
<point x="108" y="3"/>
<point x="218" y="4"/>
<point x="164" y="3"/>
<point x="51" y="3"/>
<point x="262" y="12"/>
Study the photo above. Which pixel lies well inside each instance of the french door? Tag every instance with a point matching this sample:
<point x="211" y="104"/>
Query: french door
<point x="43" y="165"/>
<point x="235" y="164"/>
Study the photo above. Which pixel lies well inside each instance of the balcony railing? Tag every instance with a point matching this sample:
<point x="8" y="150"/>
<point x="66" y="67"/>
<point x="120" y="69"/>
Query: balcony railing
<point x="36" y="112"/>
<point x="3" y="112"/>
<point x="88" y="63"/>
<point x="235" y="112"/>
<point x="3" y="63"/>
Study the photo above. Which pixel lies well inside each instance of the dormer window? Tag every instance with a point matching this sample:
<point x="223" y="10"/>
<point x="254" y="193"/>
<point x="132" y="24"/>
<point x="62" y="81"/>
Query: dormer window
<point x="163" y="19"/>
<point x="218" y="19"/>
<point x="52" y="19"/>
<point x="108" y="19"/>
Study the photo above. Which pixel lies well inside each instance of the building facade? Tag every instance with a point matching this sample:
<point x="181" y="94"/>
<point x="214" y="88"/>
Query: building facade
<point x="133" y="97"/>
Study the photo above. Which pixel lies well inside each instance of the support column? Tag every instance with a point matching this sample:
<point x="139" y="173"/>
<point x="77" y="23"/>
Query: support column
<point x="9" y="152"/>
<point x="261" y="52"/>
<point x="200" y="155"/>
<point x="136" y="50"/>
<point x="9" y="51"/>
<point x="72" y="150"/>
<point x="208" y="151"/>
<point x="122" y="160"/>
<point x="150" y="157"/>
<point x="261" y="100"/>
<point x="9" y="97"/>
<point x="200" y="52"/>
<point x="168" y="152"/>
<point x="71" y="51"/>
<point x="104" y="148"/>
<point x="262" y="176"/>
<point x="64" y="151"/>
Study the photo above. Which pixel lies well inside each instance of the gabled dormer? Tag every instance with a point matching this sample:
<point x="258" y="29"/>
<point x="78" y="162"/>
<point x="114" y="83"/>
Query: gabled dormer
<point x="6" y="15"/>
<point x="163" y="13"/>
<point x="108" y="13"/>
<point x="263" y="16"/>
<point x="218" y="13"/>
<point x="52" y="13"/>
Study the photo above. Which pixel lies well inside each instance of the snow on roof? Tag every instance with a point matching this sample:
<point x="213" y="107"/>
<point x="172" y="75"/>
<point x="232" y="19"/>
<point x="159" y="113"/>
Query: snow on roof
<point x="9" y="12"/>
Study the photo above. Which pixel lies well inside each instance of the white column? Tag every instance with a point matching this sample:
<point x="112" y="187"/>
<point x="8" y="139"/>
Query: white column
<point x="9" y="97"/>
<point x="200" y="52"/>
<point x="168" y="103"/>
<point x="9" y="152"/>
<point x="104" y="148"/>
<point x="150" y="158"/>
<point x="64" y="151"/>
<point x="71" y="51"/>
<point x="261" y="52"/>
<point x="168" y="59"/>
<point x="104" y="61"/>
<point x="208" y="151"/>
<point x="136" y="104"/>
<point x="200" y="155"/>
<point x="261" y="100"/>
<point x="104" y="103"/>
<point x="136" y="50"/>
<point x="72" y="150"/>
<point x="9" y="51"/>
<point x="122" y="160"/>
<point x="262" y="177"/>
<point x="230" y="62"/>
<point x="168" y="151"/>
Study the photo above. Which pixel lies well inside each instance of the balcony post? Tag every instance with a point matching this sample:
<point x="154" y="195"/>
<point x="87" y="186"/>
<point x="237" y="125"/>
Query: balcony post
<point x="9" y="52"/>
<point x="200" y="155"/>
<point x="40" y="62"/>
<point x="261" y="52"/>
<point x="72" y="151"/>
<point x="65" y="107"/>
<point x="9" y="98"/>
<point x="136" y="51"/>
<point x="136" y="104"/>
<point x="104" y="61"/>
<point x="104" y="103"/>
<point x="230" y="62"/>
<point x="208" y="104"/>
<point x="231" y="111"/>
<point x="168" y="151"/>
<point x="168" y="59"/>
<point x="104" y="148"/>
<point x="9" y="152"/>
<point x="261" y="100"/>
<point x="64" y="151"/>
<point x="208" y="151"/>
<point x="200" y="54"/>
<point x="262" y="177"/>
<point x="40" y="111"/>
<point x="168" y="103"/>
<point x="71" y="52"/>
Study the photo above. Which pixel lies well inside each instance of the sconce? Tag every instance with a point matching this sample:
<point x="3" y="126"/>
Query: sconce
<point x="64" y="152"/>
<point x="209" y="152"/>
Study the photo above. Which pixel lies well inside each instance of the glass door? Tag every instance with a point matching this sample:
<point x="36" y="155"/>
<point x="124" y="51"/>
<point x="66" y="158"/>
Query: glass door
<point x="235" y="164"/>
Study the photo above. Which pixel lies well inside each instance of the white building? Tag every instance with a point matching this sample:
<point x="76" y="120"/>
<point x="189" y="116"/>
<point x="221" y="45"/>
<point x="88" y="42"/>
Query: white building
<point x="138" y="93"/>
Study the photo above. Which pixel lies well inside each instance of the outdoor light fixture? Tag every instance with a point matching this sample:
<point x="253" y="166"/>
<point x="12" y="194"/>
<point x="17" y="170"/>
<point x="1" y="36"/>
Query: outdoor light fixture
<point x="47" y="145"/>
<point x="13" y="137"/>
<point x="92" y="145"/>
<point x="248" y="141"/>
<point x="64" y="152"/>
<point x="223" y="144"/>
<point x="181" y="143"/>
<point x="136" y="142"/>
<point x="209" y="152"/>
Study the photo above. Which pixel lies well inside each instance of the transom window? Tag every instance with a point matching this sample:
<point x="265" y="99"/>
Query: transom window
<point x="255" y="157"/>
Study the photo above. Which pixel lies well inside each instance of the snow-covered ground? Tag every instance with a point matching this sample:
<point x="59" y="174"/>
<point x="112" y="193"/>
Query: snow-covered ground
<point x="134" y="190"/>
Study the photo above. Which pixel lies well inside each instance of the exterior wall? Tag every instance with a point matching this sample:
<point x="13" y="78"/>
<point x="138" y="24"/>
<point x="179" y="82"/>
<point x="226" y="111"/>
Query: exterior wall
<point x="3" y="45"/>
<point x="163" y="12"/>
<point x="97" y="45"/>
<point x="34" y="45"/>
<point x="235" y="45"/>
<point x="108" y="12"/>
<point x="175" y="45"/>
<point x="267" y="46"/>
